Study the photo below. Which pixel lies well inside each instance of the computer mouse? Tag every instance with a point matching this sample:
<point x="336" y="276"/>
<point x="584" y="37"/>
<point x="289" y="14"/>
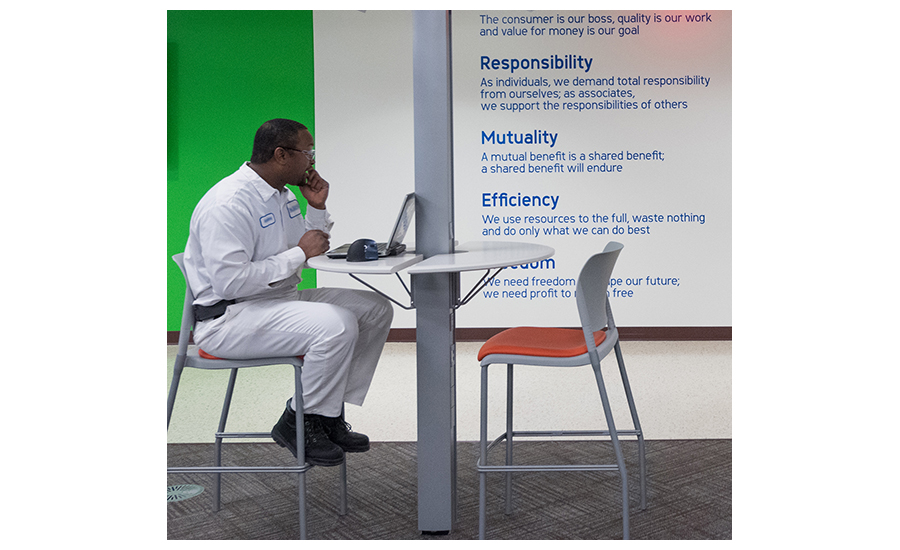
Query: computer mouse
<point x="362" y="250"/>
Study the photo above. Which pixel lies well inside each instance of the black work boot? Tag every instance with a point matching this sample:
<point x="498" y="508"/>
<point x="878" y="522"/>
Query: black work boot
<point x="320" y="451"/>
<point x="338" y="431"/>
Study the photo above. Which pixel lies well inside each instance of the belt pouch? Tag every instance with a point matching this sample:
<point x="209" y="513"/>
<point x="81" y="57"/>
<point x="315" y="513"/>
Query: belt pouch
<point x="205" y="313"/>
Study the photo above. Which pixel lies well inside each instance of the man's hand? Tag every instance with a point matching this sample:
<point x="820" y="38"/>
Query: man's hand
<point x="316" y="190"/>
<point x="314" y="243"/>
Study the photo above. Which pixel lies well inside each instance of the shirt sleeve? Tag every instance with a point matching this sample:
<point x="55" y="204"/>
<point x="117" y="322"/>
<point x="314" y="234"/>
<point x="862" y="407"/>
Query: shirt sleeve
<point x="318" y="219"/>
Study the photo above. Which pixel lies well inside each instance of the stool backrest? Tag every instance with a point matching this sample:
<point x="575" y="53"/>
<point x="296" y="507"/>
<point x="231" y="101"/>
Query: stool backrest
<point x="591" y="297"/>
<point x="187" y="314"/>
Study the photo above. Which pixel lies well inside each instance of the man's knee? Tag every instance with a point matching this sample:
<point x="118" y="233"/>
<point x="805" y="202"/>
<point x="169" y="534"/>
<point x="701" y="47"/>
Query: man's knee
<point x="383" y="309"/>
<point x="340" y="323"/>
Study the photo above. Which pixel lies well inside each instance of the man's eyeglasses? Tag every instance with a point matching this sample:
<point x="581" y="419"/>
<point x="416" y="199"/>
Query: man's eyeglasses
<point x="311" y="154"/>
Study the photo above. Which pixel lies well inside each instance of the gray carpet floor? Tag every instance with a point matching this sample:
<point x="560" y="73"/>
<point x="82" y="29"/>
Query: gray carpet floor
<point x="689" y="494"/>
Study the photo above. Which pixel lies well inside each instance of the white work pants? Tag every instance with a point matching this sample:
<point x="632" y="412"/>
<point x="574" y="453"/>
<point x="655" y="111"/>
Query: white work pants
<point x="341" y="332"/>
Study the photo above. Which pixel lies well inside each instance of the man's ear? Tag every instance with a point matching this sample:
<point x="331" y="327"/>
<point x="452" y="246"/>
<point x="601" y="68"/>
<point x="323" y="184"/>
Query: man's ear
<point x="280" y="155"/>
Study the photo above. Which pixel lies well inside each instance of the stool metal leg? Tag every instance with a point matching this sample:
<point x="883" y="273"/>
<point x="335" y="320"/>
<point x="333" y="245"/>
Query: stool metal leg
<point x="620" y="459"/>
<point x="342" y="509"/>
<point x="637" y="426"/>
<point x="301" y="449"/>
<point x="173" y="389"/>
<point x="509" y="435"/>
<point x="482" y="488"/>
<point x="223" y="418"/>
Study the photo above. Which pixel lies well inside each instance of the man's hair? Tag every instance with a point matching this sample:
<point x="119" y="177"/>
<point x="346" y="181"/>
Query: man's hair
<point x="278" y="132"/>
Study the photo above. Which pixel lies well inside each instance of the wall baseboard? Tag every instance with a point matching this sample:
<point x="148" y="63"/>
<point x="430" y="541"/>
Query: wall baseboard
<point x="625" y="333"/>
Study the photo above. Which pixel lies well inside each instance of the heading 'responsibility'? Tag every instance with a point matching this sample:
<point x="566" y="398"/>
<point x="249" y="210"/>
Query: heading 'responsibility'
<point x="568" y="61"/>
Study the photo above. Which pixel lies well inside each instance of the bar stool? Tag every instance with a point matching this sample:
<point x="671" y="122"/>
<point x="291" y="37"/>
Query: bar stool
<point x="562" y="347"/>
<point x="197" y="358"/>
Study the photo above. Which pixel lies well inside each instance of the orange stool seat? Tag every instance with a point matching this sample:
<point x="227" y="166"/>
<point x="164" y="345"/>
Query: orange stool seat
<point x="539" y="342"/>
<point x="205" y="355"/>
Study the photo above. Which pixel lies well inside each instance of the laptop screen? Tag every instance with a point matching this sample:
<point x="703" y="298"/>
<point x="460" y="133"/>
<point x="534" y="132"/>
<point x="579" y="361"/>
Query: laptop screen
<point x="404" y="219"/>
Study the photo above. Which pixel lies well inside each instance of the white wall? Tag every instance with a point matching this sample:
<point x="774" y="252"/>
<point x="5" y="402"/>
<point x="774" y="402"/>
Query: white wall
<point x="364" y="128"/>
<point x="365" y="149"/>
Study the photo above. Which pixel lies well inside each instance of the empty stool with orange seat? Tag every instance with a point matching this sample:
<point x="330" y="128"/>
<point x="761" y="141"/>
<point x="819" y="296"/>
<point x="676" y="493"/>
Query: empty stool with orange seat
<point x="563" y="347"/>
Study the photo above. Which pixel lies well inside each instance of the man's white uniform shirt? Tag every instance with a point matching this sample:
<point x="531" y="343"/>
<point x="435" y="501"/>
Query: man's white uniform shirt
<point x="243" y="240"/>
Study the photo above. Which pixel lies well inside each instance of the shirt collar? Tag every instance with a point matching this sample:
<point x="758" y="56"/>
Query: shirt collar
<point x="265" y="190"/>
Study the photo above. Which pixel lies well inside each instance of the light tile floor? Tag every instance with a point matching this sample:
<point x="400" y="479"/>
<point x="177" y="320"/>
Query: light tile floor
<point x="682" y="389"/>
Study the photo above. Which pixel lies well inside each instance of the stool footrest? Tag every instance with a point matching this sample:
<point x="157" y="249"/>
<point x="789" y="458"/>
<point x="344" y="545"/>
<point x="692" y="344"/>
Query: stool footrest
<point x="246" y="435"/>
<point x="568" y="433"/>
<point x="571" y="433"/>
<point x="239" y="469"/>
<point x="554" y="467"/>
<point x="550" y="468"/>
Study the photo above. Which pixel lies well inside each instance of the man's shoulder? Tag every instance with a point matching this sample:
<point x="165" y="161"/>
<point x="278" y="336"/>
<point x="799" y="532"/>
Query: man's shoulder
<point x="232" y="193"/>
<point x="234" y="187"/>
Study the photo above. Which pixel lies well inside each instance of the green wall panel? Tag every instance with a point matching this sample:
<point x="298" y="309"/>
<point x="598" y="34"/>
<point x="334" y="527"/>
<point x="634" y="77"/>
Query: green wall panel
<point x="228" y="72"/>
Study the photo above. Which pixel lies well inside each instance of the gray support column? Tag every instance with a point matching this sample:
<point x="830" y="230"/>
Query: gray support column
<point x="435" y="295"/>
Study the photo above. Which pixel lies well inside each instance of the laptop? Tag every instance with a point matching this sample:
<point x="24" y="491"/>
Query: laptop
<point x="394" y="244"/>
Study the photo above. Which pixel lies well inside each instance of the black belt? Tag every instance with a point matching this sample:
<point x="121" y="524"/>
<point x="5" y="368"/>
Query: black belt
<point x="205" y="313"/>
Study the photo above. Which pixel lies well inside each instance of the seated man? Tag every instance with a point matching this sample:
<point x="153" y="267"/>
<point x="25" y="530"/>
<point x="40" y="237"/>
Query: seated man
<point x="248" y="240"/>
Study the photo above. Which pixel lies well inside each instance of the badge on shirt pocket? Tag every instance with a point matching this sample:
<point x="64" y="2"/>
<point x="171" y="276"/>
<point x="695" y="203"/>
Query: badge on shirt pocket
<point x="267" y="220"/>
<point x="293" y="209"/>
